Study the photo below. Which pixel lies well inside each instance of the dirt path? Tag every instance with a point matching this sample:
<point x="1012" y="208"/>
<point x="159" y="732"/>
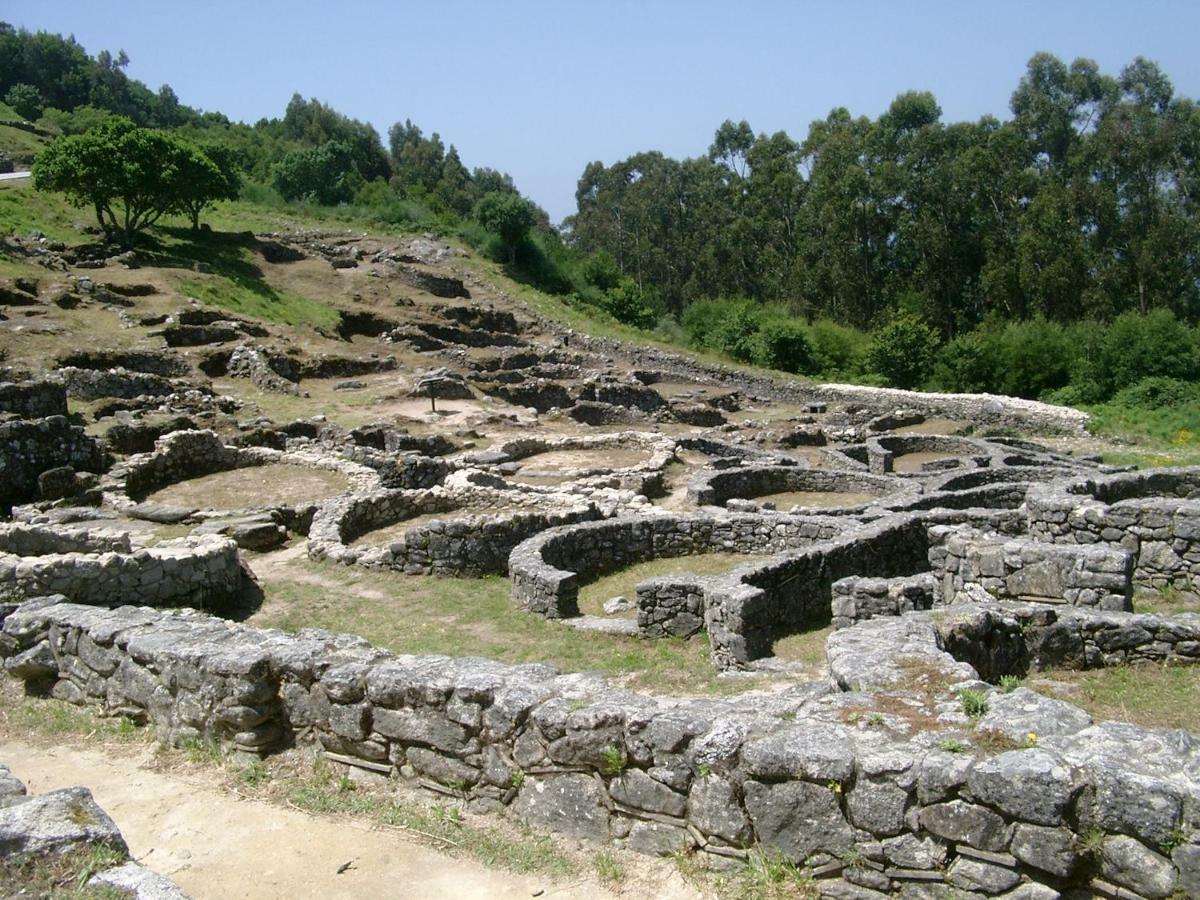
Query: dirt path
<point x="216" y="845"/>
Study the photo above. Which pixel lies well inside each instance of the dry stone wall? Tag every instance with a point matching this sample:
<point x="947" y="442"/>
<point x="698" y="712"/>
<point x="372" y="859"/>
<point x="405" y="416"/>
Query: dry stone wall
<point x="869" y="808"/>
<point x="1154" y="514"/>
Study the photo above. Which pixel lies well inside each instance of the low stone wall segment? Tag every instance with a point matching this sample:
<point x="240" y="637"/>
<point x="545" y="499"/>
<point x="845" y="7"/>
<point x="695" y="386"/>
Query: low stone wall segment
<point x="868" y="807"/>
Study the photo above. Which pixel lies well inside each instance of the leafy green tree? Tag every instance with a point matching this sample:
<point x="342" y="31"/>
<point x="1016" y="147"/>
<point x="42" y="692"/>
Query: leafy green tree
<point x="26" y="100"/>
<point x="324" y="175"/>
<point x="508" y="215"/>
<point x="626" y="303"/>
<point x="129" y="176"/>
<point x="903" y="351"/>
<point x="206" y="175"/>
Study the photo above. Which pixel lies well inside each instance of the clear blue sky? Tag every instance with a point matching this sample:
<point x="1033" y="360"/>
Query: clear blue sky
<point x="539" y="89"/>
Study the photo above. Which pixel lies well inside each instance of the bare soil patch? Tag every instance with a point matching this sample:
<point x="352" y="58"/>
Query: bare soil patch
<point x="785" y="500"/>
<point x="270" y="485"/>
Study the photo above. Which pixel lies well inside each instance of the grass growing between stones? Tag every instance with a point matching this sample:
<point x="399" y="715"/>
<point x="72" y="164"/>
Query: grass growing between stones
<point x="763" y="876"/>
<point x="1154" y="696"/>
<point x="61" y="876"/>
<point x="622" y="583"/>
<point x="473" y="617"/>
<point x="1168" y="601"/>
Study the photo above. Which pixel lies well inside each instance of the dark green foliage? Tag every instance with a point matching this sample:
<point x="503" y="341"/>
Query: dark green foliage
<point x="626" y="303"/>
<point x="129" y="176"/>
<point x="1080" y="207"/>
<point x="324" y="175"/>
<point x="782" y="344"/>
<point x="26" y="100"/>
<point x="903" y="351"/>
<point x="1134" y="347"/>
<point x="1157" y="392"/>
<point x="510" y="216"/>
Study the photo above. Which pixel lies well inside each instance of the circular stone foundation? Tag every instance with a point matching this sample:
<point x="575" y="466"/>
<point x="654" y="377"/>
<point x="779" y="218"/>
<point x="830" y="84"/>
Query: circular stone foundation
<point x="792" y="489"/>
<point x="269" y="485"/>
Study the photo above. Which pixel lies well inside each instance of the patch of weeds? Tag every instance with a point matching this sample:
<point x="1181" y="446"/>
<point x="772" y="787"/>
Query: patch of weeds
<point x="612" y="761"/>
<point x="518" y="778"/>
<point x="608" y="868"/>
<point x="1093" y="842"/>
<point x="1009" y="683"/>
<point x="255" y="773"/>
<point x="61" y="876"/>
<point x="974" y="702"/>
<point x="991" y="742"/>
<point x="769" y="876"/>
<point x="952" y="745"/>
<point x="789" y="716"/>
<point x="574" y="705"/>
<point x="875" y="720"/>
<point x="1177" y="838"/>
<point x="203" y="750"/>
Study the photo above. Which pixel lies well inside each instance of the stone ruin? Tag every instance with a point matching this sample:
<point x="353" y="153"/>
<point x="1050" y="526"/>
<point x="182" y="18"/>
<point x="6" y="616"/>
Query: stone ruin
<point x="947" y="564"/>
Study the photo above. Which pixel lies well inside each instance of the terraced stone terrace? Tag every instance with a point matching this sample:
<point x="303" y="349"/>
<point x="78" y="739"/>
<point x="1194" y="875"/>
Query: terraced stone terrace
<point x="939" y="663"/>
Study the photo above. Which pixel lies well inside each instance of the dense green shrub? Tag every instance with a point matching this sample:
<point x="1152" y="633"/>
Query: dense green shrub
<point x="837" y="349"/>
<point x="782" y="344"/>
<point x="965" y="363"/>
<point x="1157" y="392"/>
<point x="626" y="303"/>
<point x="1030" y="358"/>
<point x="903" y="351"/>
<point x="1134" y="347"/>
<point x="324" y="175"/>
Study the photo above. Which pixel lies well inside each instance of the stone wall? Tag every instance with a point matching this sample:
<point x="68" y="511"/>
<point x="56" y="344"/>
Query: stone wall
<point x="1154" y="514"/>
<point x="104" y="570"/>
<point x="868" y="807"/>
<point x="460" y="546"/>
<point x="1021" y="569"/>
<point x="33" y="399"/>
<point x="546" y="570"/>
<point x="856" y="599"/>
<point x="960" y="452"/>
<point x="28" y="447"/>
<point x="92" y="384"/>
<point x="714" y="488"/>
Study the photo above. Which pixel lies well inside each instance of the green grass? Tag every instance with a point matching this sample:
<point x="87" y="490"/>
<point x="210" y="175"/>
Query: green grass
<point x="22" y="210"/>
<point x="622" y="583"/>
<point x="1154" y="696"/>
<point x="61" y="876"/>
<point x="458" y="617"/>
<point x="765" y="875"/>
<point x="1168" y="436"/>
<point x="1167" y="601"/>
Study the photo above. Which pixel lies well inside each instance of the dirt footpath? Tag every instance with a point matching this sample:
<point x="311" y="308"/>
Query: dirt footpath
<point x="217" y="845"/>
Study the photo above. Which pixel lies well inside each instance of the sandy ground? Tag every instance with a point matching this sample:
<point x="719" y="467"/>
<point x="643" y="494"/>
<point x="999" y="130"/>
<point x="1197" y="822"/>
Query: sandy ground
<point x="215" y="844"/>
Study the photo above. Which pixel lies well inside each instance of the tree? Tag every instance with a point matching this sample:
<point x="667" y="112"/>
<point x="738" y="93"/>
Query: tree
<point x="26" y="100"/>
<point x="509" y="215"/>
<point x="206" y="174"/>
<point x="130" y="176"/>
<point x="324" y="175"/>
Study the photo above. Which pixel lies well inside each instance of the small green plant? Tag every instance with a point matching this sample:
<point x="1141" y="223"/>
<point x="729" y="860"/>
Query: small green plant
<point x="1093" y="842"/>
<point x="612" y="761"/>
<point x="199" y="750"/>
<point x="875" y="720"/>
<point x="574" y="705"/>
<point x="518" y="778"/>
<point x="835" y="786"/>
<point x="1177" y="838"/>
<point x="704" y="771"/>
<point x="456" y="784"/>
<point x="344" y="784"/>
<point x="953" y="745"/>
<point x="255" y="773"/>
<point x="97" y="859"/>
<point x="789" y="716"/>
<point x="1009" y="683"/>
<point x="974" y="702"/>
<point x="608" y="868"/>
